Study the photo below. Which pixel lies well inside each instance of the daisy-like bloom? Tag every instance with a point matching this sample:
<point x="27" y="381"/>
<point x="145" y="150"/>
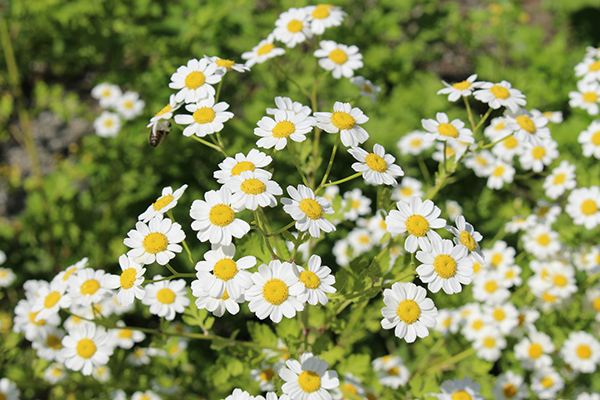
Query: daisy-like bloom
<point x="534" y="351"/>
<point x="164" y="203"/>
<point x="408" y="187"/>
<point x="275" y="291"/>
<point x="418" y="218"/>
<point x="497" y="129"/>
<point x="341" y="251"/>
<point x="25" y="321"/>
<point x="156" y="241"/>
<point x="9" y="390"/>
<point x="520" y="222"/>
<point x="86" y="287"/>
<point x="561" y="179"/>
<point x="500" y="94"/>
<point x="262" y="52"/>
<point x="445" y="266"/>
<point x="86" y="347"/>
<point x="459" y="389"/>
<point x="511" y="275"/>
<point x="351" y="385"/>
<point x="537" y="157"/>
<point x="528" y="128"/>
<point x="308" y="379"/>
<point x="195" y="80"/>
<point x="286" y="104"/>
<point x="264" y="376"/>
<point x="465" y="234"/>
<point x="292" y="27"/>
<point x="481" y="162"/>
<point x="54" y="373"/>
<point x="101" y="373"/>
<point x="408" y="311"/>
<point x="360" y="240"/>
<point x="460" y="89"/>
<point x="345" y="120"/>
<point x="584" y="206"/>
<point x="49" y="348"/>
<point x="358" y="204"/>
<point x="166" y="298"/>
<point x="508" y="149"/>
<point x="474" y="324"/>
<point x="590" y="140"/>
<point x="126" y="338"/>
<point x="147" y="395"/>
<point x="413" y="143"/>
<point x="254" y="161"/>
<point x="542" y="242"/>
<point x="215" y="218"/>
<point x="159" y="121"/>
<point x="275" y="132"/>
<point x="7" y="277"/>
<point x="391" y="371"/>
<point x="489" y="344"/>
<point x="324" y="16"/>
<point x="490" y="288"/>
<point x="342" y="60"/>
<point x="206" y="118"/>
<point x="377" y="167"/>
<point x="581" y="351"/>
<point x="49" y="300"/>
<point x="139" y="356"/>
<point x="589" y="69"/>
<point x="250" y="191"/>
<point x="501" y="255"/>
<point x="308" y="210"/>
<point x="108" y="124"/>
<point x="546" y="383"/>
<point x="442" y="129"/>
<point x="227" y="65"/>
<point x="501" y="173"/>
<point x="129" y="105"/>
<point x="317" y="280"/>
<point x="447" y="321"/>
<point x="107" y="94"/>
<point x="453" y="209"/>
<point x="129" y="282"/>
<point x="510" y="386"/>
<point x="503" y="317"/>
<point x="586" y="97"/>
<point x="366" y="87"/>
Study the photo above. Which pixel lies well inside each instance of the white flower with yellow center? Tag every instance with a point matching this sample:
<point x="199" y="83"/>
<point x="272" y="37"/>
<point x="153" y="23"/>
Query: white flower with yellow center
<point x="49" y="347"/>
<point x="356" y="203"/>
<point x="63" y="276"/>
<point x="8" y="390"/>
<point x="341" y="251"/>
<point x="443" y="129"/>
<point x="528" y="128"/>
<point x="408" y="311"/>
<point x="584" y="206"/>
<point x="534" y="351"/>
<point x="500" y="94"/>
<point x="275" y="132"/>
<point x="501" y="173"/>
<point x="159" y="121"/>
<point x="503" y="317"/>
<point x="292" y="27"/>
<point x="589" y="69"/>
<point x="308" y="379"/>
<point x="164" y="203"/>
<point x="308" y="210"/>
<point x="55" y="373"/>
<point x="490" y="288"/>
<point x="542" y="242"/>
<point x="125" y="338"/>
<point x="194" y="81"/>
<point x="225" y="65"/>
<point x="560" y="279"/>
<point x="318" y="281"/>
<point x="156" y="241"/>
<point x="590" y="140"/>
<point x="546" y="383"/>
<point x="147" y="395"/>
<point x="232" y="166"/>
<point x="460" y="89"/>
<point x="264" y="375"/>
<point x="508" y="149"/>
<point x="250" y="191"/>
<point x="419" y="219"/>
<point x="453" y="209"/>
<point x="497" y="129"/>
<point x="25" y="321"/>
<point x="413" y="143"/>
<point x="7" y="277"/>
<point x="465" y="234"/>
<point x="474" y="324"/>
<point x="360" y="240"/>
<point x="539" y="156"/>
<point x="286" y="104"/>
<point x="444" y="266"/>
<point x="345" y="120"/>
<point x="586" y="97"/>
<point x="50" y="299"/>
<point x="262" y="52"/>
<point x="214" y="218"/>
<point x="342" y="60"/>
<point x="206" y="118"/>
<point x="129" y="282"/>
<point x="129" y="105"/>
<point x="520" y="222"/>
<point x="510" y="386"/>
<point x="216" y="305"/>
<point x="460" y="389"/>
<point x="166" y="298"/>
<point x="324" y="16"/>
<point x="481" y="162"/>
<point x="86" y="347"/>
<point x="108" y="124"/>
<point x="366" y="87"/>
<point x="107" y="94"/>
<point x="86" y="287"/>
<point x="489" y="344"/>
<point x="377" y="167"/>
<point x="391" y="371"/>
<point x="593" y="297"/>
<point x="511" y="275"/>
<point x="408" y="188"/>
<point x="350" y="386"/>
<point x="561" y="179"/>
<point x="101" y="373"/>
<point x="499" y="255"/>
<point x="448" y="321"/>
<point x="275" y="291"/>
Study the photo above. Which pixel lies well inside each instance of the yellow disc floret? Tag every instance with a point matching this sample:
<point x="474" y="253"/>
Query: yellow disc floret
<point x="417" y="225"/>
<point x="509" y="391"/>
<point x="90" y="287"/>
<point x="526" y="123"/>
<point x="52" y="299"/>
<point x="408" y="311"/>
<point x="194" y="80"/>
<point x="338" y="56"/>
<point x="444" y="266"/>
<point x="467" y="240"/>
<point x="342" y="120"/>
<point x="376" y="162"/>
<point x="309" y="381"/>
<point x="221" y="215"/>
<point x="464" y="85"/>
<point x="225" y="269"/>
<point x="165" y="296"/>
<point x="310" y="279"/>
<point x="500" y="92"/>
<point x="311" y="208"/>
<point x="265" y="49"/>
<point x="294" y="26"/>
<point x="447" y="130"/>
<point x="535" y="350"/>
<point x="242" y="166"/>
<point x="461" y="395"/>
<point x="584" y="351"/>
<point x="283" y="129"/>
<point x="162" y="202"/>
<point x="253" y="186"/>
<point x="275" y="291"/>
<point x="155" y="242"/>
<point x="128" y="278"/>
<point x="589" y="207"/>
<point x="204" y="115"/>
<point x="86" y="348"/>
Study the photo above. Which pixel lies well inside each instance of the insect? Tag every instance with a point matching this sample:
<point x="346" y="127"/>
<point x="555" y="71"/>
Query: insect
<point x="158" y="132"/>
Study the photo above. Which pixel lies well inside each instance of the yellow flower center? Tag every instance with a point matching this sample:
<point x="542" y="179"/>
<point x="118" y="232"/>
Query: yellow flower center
<point x="364" y="239"/>
<point x="467" y="240"/>
<point x="165" y="296"/>
<point x="68" y="273"/>
<point x="509" y="390"/>
<point x="225" y="295"/>
<point x="275" y="291"/>
<point x="128" y="278"/>
<point x="596" y="304"/>
<point x="589" y="207"/>
<point x="376" y="162"/>
<point x="476" y="267"/>
<point x="349" y="388"/>
<point x="447" y="322"/>
<point x="311" y="208"/>
<point x="547" y="382"/>
<point x="481" y="161"/>
<point x="510" y="143"/>
<point x="394" y="371"/>
<point x="204" y="115"/>
<point x="162" y="202"/>
<point x="408" y="311"/>
<point x="560" y="280"/>
<point x="538" y="152"/>
<point x="225" y="269"/>
<point x="535" y="350"/>
<point x="584" y="351"/>
<point x="54" y="342"/>
<point x="461" y="395"/>
<point x="499" y="314"/>
<point x="253" y="186"/>
<point x="241" y="167"/>
<point x="164" y="110"/>
<point x="294" y="26"/>
<point x="490" y="286"/>
<point x="496" y="259"/>
<point x="90" y="287"/>
<point x="265" y="48"/>
<point x="489" y="342"/>
<point x="560" y="178"/>
<point x="108" y="123"/>
<point x="596" y="138"/>
<point x="283" y="129"/>
<point x="52" y="299"/>
<point x="543" y="239"/>
<point x="128" y="104"/>
<point x="321" y="11"/>
<point x="500" y="92"/>
<point x="310" y="279"/>
<point x="464" y="85"/>
<point x="498" y="171"/>
<point x="415" y="143"/>
<point x="444" y="266"/>
<point x="447" y="130"/>
<point x="590" y="97"/>
<point x="126" y="334"/>
<point x="155" y="242"/>
<point x="194" y="80"/>
<point x="510" y="274"/>
<point x="595" y="66"/>
<point x="86" y="348"/>
<point x="417" y="225"/>
<point x="309" y="381"/>
<point x="225" y="63"/>
<point x="500" y="126"/>
<point x="477" y="325"/>
<point x="267" y="374"/>
<point x="221" y="215"/>
<point x="526" y="123"/>
<point x="338" y="56"/>
<point x="106" y="93"/>
<point x="342" y="120"/>
<point x="406" y="191"/>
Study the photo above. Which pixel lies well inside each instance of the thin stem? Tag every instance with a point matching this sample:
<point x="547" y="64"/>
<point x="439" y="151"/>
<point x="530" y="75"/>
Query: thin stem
<point x="487" y="146"/>
<point x="335" y="146"/>
<point x="289" y="146"/>
<point x="487" y="114"/>
<point x="185" y="246"/>
<point x="453" y="360"/>
<point x="172" y="269"/>
<point x="218" y="91"/>
<point x="285" y="228"/>
<point x="445" y="147"/>
<point x="168" y="278"/>
<point x="471" y="120"/>
<point x="204" y="142"/>
<point x="349" y="178"/>
<point x="285" y="74"/>
<point x="265" y="235"/>
<point x="424" y="169"/>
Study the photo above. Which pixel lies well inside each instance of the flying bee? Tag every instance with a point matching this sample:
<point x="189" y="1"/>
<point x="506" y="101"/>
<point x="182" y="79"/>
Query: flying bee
<point x="158" y="132"/>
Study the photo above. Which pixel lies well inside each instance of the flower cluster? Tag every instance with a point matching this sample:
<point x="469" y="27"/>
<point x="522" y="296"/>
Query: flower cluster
<point x="127" y="105"/>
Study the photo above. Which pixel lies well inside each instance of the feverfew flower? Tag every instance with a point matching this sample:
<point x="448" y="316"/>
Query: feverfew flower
<point x="54" y="373"/>
<point x="206" y="118"/>
<point x="560" y="180"/>
<point x="510" y="386"/>
<point x="391" y="371"/>
<point x="489" y="344"/>
<point x="342" y="60"/>
<point x="500" y="94"/>
<point x="366" y="87"/>
<point x="318" y="281"/>
<point x="345" y="120"/>
<point x="442" y="129"/>
<point x="444" y="266"/>
<point x="231" y="166"/>
<point x="166" y="298"/>
<point x="590" y="140"/>
<point x="501" y="173"/>
<point x="546" y="383"/>
<point x="460" y="388"/>
<point x="216" y="305"/>
<point x="264" y="376"/>
<point x="107" y="94"/>
<point x="286" y="104"/>
<point x="147" y="395"/>
<point x="408" y="187"/>
<point x="129" y="282"/>
<point x="542" y="242"/>
<point x="490" y="288"/>
<point x="125" y="338"/>
<point x="413" y="143"/>
<point x="324" y="16"/>
<point x="86" y="287"/>
<point x="589" y="69"/>
<point x="9" y="390"/>
<point x="534" y="351"/>
<point x="250" y="191"/>
<point x="308" y="379"/>
<point x="586" y="97"/>
<point x="465" y="234"/>
<point x="85" y="347"/>
<point x="275" y="132"/>
<point x="50" y="299"/>
<point x="164" y="203"/>
<point x="358" y="204"/>
<point x="156" y="241"/>
<point x="308" y="210"/>
<point x="262" y="52"/>
<point x="460" y="89"/>
<point x="227" y="65"/>
<point x="195" y="80"/>
<point x="528" y="128"/>
<point x="108" y="124"/>
<point x="584" y="206"/>
<point x="7" y="277"/>
<point x="292" y="27"/>
<point x="25" y="321"/>
<point x="129" y="105"/>
<point x="581" y="351"/>
<point x="160" y="119"/>
<point x="377" y="167"/>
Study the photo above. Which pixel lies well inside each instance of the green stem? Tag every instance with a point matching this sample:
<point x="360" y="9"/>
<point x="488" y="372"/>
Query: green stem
<point x="471" y="120"/>
<point x="349" y="178"/>
<point x="265" y="234"/>
<point x="445" y="147"/>
<point x="218" y="90"/>
<point x="168" y="278"/>
<point x="285" y="228"/>
<point x="211" y="145"/>
<point x="289" y="146"/>
<point x="285" y="74"/>
<point x="335" y="147"/>
<point x="487" y="146"/>
<point x="172" y="269"/>
<point x="185" y="246"/>
<point x="451" y="361"/>
<point x="424" y="169"/>
<point x="487" y="114"/>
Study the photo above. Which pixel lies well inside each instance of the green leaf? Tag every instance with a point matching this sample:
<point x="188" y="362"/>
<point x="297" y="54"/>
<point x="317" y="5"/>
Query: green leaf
<point x="262" y="334"/>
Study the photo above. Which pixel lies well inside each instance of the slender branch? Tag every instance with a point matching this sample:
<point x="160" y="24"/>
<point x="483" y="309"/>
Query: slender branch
<point x="289" y="146"/>
<point x="349" y="178"/>
<point x="487" y="114"/>
<point x="335" y="146"/>
<point x="471" y="120"/>
<point x="487" y="146"/>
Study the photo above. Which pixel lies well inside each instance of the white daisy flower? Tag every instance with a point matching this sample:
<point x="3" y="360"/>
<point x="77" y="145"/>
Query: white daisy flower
<point x="465" y="234"/>
<point x="318" y="281"/>
<point x="164" y="203"/>
<point x="542" y="242"/>
<point x="497" y="129"/>
<point x="129" y="105"/>
<point x="500" y="255"/>
<point x="546" y="383"/>
<point x="54" y="373"/>
<point x="460" y="389"/>
<point x="226" y="65"/>
<point x="351" y="385"/>
<point x="418" y="218"/>
<point x="239" y="394"/>
<point x="342" y="60"/>
<point x="264" y="376"/>
<point x="581" y="351"/>
<point x="361" y="241"/>
<point x="165" y="114"/>
<point x="474" y="324"/>
<point x="214" y="218"/>
<point x="275" y="291"/>
<point x="528" y="128"/>
<point x="511" y="275"/>
<point x="489" y="344"/>
<point x="275" y="132"/>
<point x="125" y="338"/>
<point x="377" y="167"/>
<point x="408" y="311"/>
<point x="507" y="149"/>
<point x="286" y="104"/>
<point x="63" y="276"/>
<point x="166" y="298"/>
<point x="589" y="69"/>
<point x="534" y="351"/>
<point x="139" y="356"/>
<point x="510" y="386"/>
<point x="292" y="27"/>
<point x="453" y="209"/>
<point x="490" y="288"/>
<point x="86" y="287"/>
<point x="520" y="222"/>
<point x="442" y="129"/>
<point x="9" y="390"/>
<point x="560" y="180"/>
<point x="215" y="305"/>
<point x="501" y="173"/>
<point x="448" y="321"/>
<point x="108" y="124"/>
<point x="481" y="162"/>
<point x="49" y="347"/>
<point x="584" y="206"/>
<point x="254" y="161"/>
<point x="107" y="94"/>
<point x="7" y="277"/>
<point x="250" y="191"/>
<point x="308" y="379"/>
<point x="324" y="16"/>
<point x="358" y="204"/>
<point x="206" y="118"/>
<point x="413" y="143"/>
<point x="366" y="87"/>
<point x="345" y="120"/>
<point x="341" y="251"/>
<point x="444" y="266"/>
<point x="504" y="317"/>
<point x="156" y="241"/>
<point x="86" y="347"/>
<point x="147" y="395"/>
<point x="408" y="187"/>
<point x="500" y="94"/>
<point x="590" y="140"/>
<point x="586" y="97"/>
<point x="308" y="210"/>
<point x="460" y="89"/>
<point x="194" y="81"/>
<point x="262" y="52"/>
<point x="101" y="373"/>
<point x="129" y="282"/>
<point x="391" y="371"/>
<point x="50" y="299"/>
